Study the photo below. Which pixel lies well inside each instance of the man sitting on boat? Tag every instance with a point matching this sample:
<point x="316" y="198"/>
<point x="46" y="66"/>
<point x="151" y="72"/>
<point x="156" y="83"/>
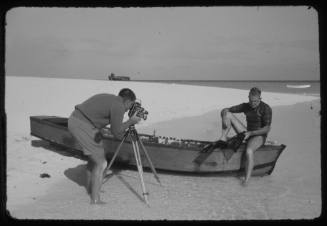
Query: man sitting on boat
<point x="88" y="119"/>
<point x="258" y="117"/>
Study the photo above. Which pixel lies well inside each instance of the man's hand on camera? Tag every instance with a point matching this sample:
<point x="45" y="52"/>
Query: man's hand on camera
<point x="135" y="119"/>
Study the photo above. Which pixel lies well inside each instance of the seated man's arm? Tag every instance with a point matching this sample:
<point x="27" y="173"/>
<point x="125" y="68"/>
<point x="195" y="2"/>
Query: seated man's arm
<point x="261" y="131"/>
<point x="234" y="109"/>
<point x="224" y="111"/>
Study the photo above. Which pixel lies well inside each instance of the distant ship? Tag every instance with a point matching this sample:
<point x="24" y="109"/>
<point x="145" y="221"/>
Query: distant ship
<point x="112" y="76"/>
<point x="298" y="86"/>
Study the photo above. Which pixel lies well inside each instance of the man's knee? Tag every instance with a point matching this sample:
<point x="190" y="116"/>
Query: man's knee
<point x="223" y="112"/>
<point x="100" y="167"/>
<point x="249" y="151"/>
<point x="104" y="165"/>
<point x="226" y="114"/>
<point x="99" y="161"/>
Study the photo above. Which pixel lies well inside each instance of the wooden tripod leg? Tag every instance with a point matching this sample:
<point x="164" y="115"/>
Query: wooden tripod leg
<point x="140" y="169"/>
<point x="115" y="155"/>
<point x="149" y="161"/>
<point x="105" y="178"/>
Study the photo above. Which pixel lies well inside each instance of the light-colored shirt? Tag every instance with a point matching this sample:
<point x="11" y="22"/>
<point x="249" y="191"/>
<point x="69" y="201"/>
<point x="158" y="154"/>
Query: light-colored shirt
<point x="104" y="109"/>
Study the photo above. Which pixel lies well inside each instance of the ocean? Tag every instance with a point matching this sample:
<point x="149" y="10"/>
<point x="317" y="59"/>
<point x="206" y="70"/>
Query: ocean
<point x="301" y="87"/>
<point x="312" y="87"/>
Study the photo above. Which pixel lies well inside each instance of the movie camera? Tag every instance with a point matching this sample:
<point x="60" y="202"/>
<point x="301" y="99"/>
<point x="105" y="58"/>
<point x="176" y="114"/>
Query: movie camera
<point x="140" y="111"/>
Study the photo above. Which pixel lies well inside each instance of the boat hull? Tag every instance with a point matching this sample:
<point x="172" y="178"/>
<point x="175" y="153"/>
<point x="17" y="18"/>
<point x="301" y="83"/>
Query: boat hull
<point x="163" y="156"/>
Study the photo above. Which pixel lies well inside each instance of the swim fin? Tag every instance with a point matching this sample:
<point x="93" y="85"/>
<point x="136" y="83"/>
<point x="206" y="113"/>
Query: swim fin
<point x="236" y="141"/>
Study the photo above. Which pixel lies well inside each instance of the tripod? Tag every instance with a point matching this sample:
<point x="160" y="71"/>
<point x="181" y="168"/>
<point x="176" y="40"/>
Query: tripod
<point x="136" y="141"/>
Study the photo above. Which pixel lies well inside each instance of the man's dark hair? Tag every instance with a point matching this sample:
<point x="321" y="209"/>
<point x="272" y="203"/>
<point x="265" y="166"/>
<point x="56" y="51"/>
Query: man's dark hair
<point x="127" y="94"/>
<point x="255" y="91"/>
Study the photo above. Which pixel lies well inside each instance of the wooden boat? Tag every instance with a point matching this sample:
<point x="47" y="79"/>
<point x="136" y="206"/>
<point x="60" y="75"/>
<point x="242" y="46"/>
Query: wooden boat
<point x="172" y="157"/>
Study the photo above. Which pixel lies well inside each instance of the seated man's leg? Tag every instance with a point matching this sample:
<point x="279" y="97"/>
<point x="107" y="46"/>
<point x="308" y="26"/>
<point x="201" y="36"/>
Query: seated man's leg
<point x="229" y="120"/>
<point x="252" y="145"/>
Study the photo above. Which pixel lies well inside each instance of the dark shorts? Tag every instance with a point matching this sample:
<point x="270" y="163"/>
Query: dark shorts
<point x="84" y="132"/>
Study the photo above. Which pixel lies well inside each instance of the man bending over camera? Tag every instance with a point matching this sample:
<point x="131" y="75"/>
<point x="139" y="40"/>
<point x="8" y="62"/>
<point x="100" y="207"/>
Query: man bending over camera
<point x="85" y="123"/>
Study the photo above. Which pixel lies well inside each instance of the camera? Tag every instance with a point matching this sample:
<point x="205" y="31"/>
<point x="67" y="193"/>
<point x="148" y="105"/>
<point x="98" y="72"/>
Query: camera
<point x="141" y="112"/>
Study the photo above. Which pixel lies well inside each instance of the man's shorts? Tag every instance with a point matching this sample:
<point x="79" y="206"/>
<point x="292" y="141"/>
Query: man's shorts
<point x="83" y="131"/>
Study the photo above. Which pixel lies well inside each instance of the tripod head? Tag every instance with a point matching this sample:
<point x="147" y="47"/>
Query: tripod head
<point x="132" y="127"/>
<point x="131" y="131"/>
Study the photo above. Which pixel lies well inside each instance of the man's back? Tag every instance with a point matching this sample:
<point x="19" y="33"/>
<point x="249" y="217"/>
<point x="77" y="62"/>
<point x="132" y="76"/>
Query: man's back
<point x="103" y="108"/>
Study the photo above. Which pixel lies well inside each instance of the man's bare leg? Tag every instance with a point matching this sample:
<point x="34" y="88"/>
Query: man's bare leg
<point x="96" y="178"/>
<point x="89" y="168"/>
<point x="252" y="145"/>
<point x="228" y="121"/>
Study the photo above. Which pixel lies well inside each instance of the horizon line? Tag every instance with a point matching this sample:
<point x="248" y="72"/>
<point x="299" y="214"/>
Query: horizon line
<point x="224" y="80"/>
<point x="177" y="80"/>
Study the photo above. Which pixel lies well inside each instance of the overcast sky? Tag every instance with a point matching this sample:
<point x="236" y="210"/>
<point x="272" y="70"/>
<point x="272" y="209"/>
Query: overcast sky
<point x="216" y="43"/>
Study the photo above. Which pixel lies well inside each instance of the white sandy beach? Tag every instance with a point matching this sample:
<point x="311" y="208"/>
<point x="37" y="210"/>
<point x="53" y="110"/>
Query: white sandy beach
<point x="291" y="192"/>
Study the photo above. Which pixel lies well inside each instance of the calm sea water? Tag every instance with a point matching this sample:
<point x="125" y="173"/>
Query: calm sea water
<point x="268" y="86"/>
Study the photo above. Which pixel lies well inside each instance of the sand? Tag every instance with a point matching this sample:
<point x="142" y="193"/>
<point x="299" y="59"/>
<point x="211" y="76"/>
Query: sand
<point x="291" y="192"/>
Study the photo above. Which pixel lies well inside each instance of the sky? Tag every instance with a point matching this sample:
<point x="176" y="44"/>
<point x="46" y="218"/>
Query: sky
<point x="192" y="43"/>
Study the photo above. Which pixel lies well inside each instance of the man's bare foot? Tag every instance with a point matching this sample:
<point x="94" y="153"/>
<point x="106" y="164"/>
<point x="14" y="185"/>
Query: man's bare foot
<point x="244" y="182"/>
<point x="97" y="202"/>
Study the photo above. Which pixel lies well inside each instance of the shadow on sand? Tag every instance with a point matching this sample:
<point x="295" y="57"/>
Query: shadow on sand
<point x="78" y="174"/>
